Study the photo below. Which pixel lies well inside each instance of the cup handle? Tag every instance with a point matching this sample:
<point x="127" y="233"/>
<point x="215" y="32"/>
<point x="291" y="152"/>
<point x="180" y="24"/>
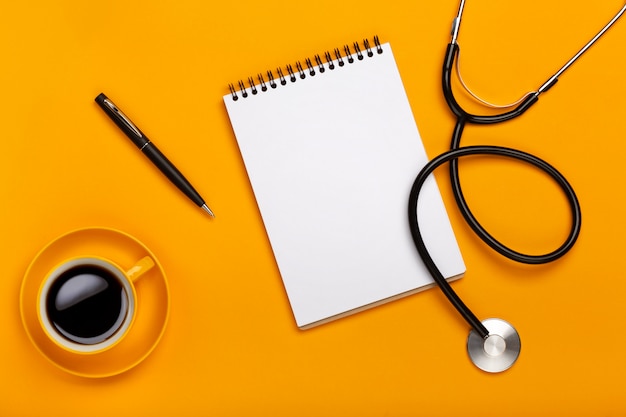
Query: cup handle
<point x="140" y="268"/>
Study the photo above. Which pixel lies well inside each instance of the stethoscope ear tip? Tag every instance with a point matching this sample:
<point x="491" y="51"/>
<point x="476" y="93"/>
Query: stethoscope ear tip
<point x="498" y="351"/>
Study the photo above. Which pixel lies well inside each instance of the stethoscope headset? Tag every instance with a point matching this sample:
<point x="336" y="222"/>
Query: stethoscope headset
<point x="493" y="344"/>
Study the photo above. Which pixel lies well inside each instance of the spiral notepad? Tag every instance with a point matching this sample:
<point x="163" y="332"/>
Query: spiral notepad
<point x="331" y="150"/>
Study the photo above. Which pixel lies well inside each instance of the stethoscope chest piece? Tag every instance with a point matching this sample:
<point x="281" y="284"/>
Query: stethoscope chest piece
<point x="498" y="351"/>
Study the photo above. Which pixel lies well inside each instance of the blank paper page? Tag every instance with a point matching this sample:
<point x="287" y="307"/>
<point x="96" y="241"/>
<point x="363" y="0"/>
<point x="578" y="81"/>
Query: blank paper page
<point x="331" y="159"/>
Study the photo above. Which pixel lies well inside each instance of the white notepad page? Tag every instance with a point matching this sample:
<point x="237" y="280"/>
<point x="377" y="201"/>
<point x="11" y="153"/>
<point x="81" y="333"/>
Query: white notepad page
<point x="331" y="159"/>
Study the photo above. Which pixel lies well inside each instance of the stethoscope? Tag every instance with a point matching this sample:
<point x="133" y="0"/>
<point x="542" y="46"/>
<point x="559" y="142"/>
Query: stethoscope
<point x="493" y="344"/>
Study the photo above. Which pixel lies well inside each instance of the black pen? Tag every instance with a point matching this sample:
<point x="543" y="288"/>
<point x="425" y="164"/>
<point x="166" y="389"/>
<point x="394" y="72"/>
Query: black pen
<point x="151" y="151"/>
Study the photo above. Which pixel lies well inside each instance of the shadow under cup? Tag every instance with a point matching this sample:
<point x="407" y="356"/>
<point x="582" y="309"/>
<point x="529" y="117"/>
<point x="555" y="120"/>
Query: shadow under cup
<point x="87" y="305"/>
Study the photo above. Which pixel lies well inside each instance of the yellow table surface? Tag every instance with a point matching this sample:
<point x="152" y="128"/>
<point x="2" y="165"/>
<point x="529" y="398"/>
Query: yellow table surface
<point x="231" y="347"/>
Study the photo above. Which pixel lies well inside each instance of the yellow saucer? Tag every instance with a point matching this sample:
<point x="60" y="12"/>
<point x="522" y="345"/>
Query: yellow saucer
<point x="152" y="301"/>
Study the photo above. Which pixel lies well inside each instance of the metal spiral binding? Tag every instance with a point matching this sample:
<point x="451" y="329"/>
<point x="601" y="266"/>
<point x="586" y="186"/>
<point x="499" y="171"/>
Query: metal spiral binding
<point x="311" y="68"/>
<point x="292" y="75"/>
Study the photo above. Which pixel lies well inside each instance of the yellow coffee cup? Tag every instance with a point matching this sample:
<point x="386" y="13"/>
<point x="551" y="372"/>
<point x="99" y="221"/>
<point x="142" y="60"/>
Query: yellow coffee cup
<point x="87" y="305"/>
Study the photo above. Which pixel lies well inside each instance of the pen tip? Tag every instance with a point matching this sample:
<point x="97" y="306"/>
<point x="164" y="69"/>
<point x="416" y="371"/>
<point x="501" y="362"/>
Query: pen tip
<point x="208" y="210"/>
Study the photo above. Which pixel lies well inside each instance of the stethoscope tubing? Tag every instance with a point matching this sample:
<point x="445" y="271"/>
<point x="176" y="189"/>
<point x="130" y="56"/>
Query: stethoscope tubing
<point x="452" y="52"/>
<point x="462" y="118"/>
<point x="484" y="235"/>
<point x="454" y="155"/>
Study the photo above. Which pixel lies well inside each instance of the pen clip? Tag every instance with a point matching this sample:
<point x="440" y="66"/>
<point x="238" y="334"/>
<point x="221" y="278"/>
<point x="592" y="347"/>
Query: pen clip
<point x="122" y="117"/>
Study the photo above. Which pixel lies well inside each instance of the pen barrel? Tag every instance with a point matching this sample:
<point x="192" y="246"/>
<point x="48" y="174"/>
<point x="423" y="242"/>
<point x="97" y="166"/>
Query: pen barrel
<point x="171" y="172"/>
<point x="133" y="133"/>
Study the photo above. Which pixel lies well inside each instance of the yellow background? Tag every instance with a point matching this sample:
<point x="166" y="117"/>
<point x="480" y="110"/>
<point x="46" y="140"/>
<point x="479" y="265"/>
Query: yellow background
<point x="231" y="347"/>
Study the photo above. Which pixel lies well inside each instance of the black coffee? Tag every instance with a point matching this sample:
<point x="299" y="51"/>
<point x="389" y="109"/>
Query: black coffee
<point x="87" y="304"/>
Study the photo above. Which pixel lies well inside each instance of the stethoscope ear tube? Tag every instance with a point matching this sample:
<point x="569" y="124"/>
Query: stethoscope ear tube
<point x="455" y="154"/>
<point x="446" y="83"/>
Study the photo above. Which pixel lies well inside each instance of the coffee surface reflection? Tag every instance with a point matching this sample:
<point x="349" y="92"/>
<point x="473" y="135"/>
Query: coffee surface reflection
<point x="87" y="304"/>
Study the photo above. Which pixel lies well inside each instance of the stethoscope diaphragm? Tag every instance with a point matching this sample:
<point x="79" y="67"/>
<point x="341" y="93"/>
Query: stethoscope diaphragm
<point x="498" y="351"/>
